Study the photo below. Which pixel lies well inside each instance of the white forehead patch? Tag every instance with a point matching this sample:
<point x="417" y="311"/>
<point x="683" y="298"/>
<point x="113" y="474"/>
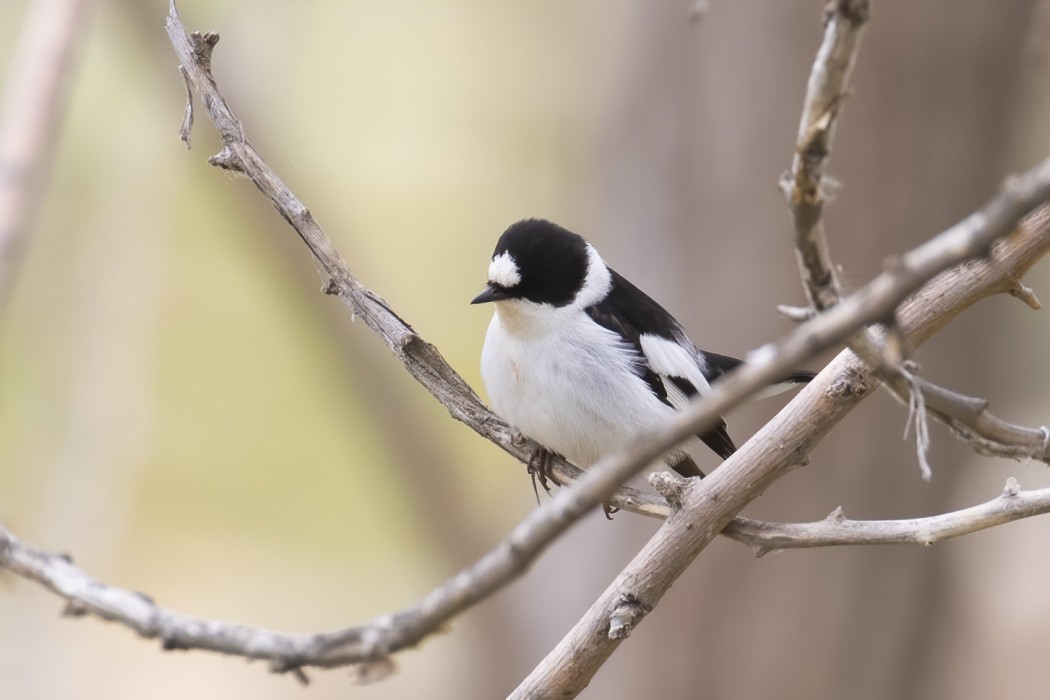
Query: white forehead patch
<point x="504" y="271"/>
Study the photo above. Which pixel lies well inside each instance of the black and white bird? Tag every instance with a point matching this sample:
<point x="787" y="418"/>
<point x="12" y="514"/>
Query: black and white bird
<point x="582" y="361"/>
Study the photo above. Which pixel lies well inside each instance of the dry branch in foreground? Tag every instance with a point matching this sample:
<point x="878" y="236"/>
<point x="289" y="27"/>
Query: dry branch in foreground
<point x="699" y="511"/>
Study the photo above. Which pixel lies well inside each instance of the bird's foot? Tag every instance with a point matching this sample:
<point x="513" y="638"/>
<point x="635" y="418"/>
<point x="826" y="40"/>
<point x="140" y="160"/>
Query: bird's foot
<point x="539" y="468"/>
<point x="609" y="509"/>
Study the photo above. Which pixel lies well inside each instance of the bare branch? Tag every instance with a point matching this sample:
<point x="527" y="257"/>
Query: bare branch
<point x="836" y="529"/>
<point x="826" y="90"/>
<point x="422" y="360"/>
<point x="969" y="418"/>
<point x="804" y="185"/>
<point x="708" y="505"/>
<point x="289" y="652"/>
<point x="32" y="107"/>
<point x="844" y="383"/>
<point x="1024" y="293"/>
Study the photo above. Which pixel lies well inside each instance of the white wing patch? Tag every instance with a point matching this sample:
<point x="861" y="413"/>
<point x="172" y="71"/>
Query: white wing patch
<point x="672" y="359"/>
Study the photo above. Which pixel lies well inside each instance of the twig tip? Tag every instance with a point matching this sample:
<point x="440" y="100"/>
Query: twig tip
<point x="1025" y="293"/>
<point x="227" y="160"/>
<point x="798" y="314"/>
<point x="375" y="671"/>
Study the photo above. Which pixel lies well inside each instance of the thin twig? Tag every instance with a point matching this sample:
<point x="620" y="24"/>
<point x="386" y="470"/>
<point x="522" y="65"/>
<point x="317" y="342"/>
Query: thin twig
<point x="422" y="360"/>
<point x="839" y="388"/>
<point x="836" y="529"/>
<point x="804" y="186"/>
<point x="288" y="652"/>
<point x="374" y="642"/>
<point x="425" y="363"/>
<point x="969" y="418"/>
<point x="704" y="507"/>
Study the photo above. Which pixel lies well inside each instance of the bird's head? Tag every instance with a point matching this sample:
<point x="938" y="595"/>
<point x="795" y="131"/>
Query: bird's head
<point x="540" y="262"/>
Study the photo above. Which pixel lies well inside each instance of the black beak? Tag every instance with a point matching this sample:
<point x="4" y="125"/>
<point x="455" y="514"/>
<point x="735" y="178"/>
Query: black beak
<point x="491" y="293"/>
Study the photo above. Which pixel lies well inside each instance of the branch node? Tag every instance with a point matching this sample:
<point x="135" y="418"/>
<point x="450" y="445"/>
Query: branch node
<point x="669" y="486"/>
<point x="410" y="341"/>
<point x="74" y="608"/>
<point x="374" y="671"/>
<point x="852" y="383"/>
<point x="227" y="160"/>
<point x="1023" y="292"/>
<point x="837" y="515"/>
<point x="331" y="288"/>
<point x="628" y="612"/>
<point x="798" y="314"/>
<point x="761" y="550"/>
<point x="285" y="665"/>
<point x="1012" y="488"/>
<point x="203" y="44"/>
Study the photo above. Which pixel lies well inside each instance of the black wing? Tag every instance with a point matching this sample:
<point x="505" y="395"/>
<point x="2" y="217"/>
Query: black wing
<point x="631" y="313"/>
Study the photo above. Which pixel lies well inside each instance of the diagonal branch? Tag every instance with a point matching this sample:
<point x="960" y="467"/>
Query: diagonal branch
<point x="288" y="652"/>
<point x="804" y="186"/>
<point x="755" y="465"/>
<point x="816" y="409"/>
<point x="422" y="360"/>
<point x="703" y="508"/>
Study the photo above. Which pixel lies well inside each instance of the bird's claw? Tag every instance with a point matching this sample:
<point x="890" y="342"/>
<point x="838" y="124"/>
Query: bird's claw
<point x="539" y="468"/>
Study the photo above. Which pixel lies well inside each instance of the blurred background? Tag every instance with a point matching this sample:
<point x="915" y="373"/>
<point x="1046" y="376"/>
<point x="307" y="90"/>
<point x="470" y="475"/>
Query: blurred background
<point x="184" y="412"/>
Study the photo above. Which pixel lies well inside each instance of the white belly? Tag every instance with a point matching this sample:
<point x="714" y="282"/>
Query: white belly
<point x="567" y="388"/>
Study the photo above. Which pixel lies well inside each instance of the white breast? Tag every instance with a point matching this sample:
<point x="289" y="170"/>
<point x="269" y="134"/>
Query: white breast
<point x="562" y="380"/>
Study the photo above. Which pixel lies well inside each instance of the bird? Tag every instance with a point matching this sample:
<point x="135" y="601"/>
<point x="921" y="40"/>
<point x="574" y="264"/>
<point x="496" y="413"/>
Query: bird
<point x="580" y="360"/>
